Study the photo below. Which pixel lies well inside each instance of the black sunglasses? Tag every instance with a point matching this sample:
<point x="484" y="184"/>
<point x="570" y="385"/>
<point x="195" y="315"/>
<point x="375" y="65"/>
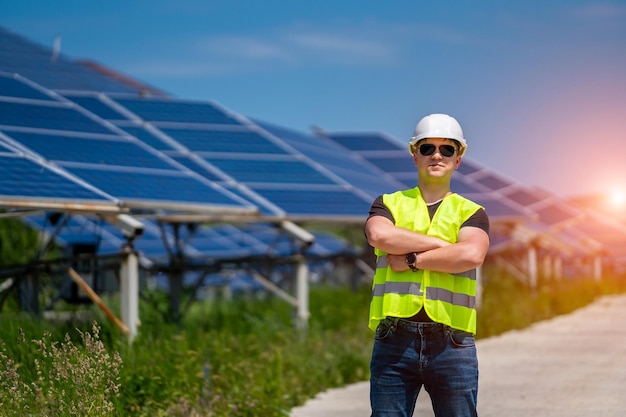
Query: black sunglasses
<point x="427" y="149"/>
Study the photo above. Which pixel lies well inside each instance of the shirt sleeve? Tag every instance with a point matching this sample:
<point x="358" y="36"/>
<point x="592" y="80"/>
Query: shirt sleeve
<point x="478" y="219"/>
<point x="380" y="209"/>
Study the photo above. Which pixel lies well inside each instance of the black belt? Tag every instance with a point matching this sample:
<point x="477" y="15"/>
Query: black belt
<point x="419" y="326"/>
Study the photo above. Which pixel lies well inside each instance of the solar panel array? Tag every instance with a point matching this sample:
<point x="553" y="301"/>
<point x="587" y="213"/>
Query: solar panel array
<point x="231" y="151"/>
<point x="95" y="143"/>
<point x="62" y="136"/>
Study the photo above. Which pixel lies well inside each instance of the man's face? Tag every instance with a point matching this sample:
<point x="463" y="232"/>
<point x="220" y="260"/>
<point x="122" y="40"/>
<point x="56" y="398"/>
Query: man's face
<point x="436" y="157"/>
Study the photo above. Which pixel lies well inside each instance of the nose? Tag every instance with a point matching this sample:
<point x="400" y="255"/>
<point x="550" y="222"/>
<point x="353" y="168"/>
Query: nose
<point x="437" y="154"/>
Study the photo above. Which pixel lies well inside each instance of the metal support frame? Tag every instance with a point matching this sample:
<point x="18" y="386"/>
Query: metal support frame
<point x="301" y="300"/>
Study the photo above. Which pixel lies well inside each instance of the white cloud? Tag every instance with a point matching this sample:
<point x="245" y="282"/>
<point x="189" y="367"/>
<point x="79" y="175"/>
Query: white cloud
<point x="366" y="44"/>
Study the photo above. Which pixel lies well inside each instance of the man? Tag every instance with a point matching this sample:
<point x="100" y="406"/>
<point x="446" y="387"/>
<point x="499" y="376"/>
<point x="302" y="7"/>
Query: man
<point x="429" y="242"/>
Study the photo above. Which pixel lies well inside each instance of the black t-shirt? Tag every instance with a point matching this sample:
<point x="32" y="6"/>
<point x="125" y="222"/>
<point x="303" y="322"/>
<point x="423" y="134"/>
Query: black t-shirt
<point x="478" y="219"/>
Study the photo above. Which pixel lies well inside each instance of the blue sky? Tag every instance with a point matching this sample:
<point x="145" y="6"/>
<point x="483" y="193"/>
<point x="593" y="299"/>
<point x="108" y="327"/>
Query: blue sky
<point x="538" y="86"/>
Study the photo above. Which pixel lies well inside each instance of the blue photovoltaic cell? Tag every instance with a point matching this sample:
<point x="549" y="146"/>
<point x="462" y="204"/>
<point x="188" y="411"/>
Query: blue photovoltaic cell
<point x="94" y="105"/>
<point x="373" y="185"/>
<point x="224" y="141"/>
<point x="192" y="165"/>
<point x="555" y="213"/>
<point x="280" y="172"/>
<point x="314" y="202"/>
<point x="392" y="165"/>
<point x="408" y="179"/>
<point x="11" y="87"/>
<point x="462" y="187"/>
<point x="47" y="117"/>
<point x="332" y="156"/>
<point x="169" y="186"/>
<point x="163" y="110"/>
<point x="524" y="197"/>
<point x="493" y="182"/>
<point x="468" y="167"/>
<point x="24" y="178"/>
<point x="498" y="208"/>
<point x="364" y="142"/>
<point x="95" y="151"/>
<point x="147" y="138"/>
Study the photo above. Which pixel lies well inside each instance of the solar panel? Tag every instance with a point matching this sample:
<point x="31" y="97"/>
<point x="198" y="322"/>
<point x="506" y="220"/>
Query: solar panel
<point x="364" y="142"/>
<point x="458" y="185"/>
<point x="96" y="106"/>
<point x="236" y="154"/>
<point x="524" y="196"/>
<point x="147" y="137"/>
<point x="79" y="142"/>
<point x="55" y="71"/>
<point x="224" y="141"/>
<point x="350" y="167"/>
<point x="26" y="183"/>
<point x="27" y="178"/>
<point x="555" y="213"/>
<point x="177" y="111"/>
<point x="492" y="181"/>
<point x="114" y="151"/>
<point x="11" y="87"/>
<point x="47" y="115"/>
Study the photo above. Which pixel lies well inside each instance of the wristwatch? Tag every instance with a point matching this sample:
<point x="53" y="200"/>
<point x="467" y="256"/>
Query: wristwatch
<point x="410" y="260"/>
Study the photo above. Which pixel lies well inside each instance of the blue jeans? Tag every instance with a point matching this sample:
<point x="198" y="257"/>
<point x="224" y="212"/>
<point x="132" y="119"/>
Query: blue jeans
<point x="409" y="355"/>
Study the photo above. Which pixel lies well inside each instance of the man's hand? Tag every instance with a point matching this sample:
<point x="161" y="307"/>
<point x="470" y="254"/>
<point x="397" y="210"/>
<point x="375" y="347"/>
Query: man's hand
<point x="397" y="263"/>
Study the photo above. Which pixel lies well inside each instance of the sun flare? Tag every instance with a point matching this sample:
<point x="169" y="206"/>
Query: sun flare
<point x="618" y="198"/>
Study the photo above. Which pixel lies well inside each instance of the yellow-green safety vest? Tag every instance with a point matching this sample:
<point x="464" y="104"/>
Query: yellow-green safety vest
<point x="447" y="298"/>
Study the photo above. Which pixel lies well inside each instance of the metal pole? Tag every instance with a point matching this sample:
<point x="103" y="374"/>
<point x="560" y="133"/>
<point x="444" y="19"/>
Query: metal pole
<point x="129" y="292"/>
<point x="302" y="294"/>
<point x="597" y="268"/>
<point x="532" y="267"/>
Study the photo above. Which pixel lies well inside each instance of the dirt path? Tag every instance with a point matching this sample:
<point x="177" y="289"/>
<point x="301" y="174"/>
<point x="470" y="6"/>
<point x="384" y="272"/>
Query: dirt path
<point x="572" y="365"/>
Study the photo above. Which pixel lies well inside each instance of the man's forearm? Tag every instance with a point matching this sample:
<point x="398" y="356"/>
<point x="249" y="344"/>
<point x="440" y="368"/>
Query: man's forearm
<point x="389" y="238"/>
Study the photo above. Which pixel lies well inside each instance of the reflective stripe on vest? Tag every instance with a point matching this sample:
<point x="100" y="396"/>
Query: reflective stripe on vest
<point x="447" y="298"/>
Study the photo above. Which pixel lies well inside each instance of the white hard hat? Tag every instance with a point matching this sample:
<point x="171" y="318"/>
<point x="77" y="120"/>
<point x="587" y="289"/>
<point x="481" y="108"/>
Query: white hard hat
<point x="438" y="126"/>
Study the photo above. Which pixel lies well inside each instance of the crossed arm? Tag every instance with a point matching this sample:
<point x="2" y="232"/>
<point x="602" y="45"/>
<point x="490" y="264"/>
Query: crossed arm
<point x="433" y="253"/>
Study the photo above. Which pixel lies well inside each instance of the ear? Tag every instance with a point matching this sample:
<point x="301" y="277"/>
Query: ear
<point x="457" y="164"/>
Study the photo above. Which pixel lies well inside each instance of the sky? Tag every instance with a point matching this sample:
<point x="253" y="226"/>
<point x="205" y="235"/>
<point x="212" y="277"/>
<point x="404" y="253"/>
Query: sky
<point x="539" y="86"/>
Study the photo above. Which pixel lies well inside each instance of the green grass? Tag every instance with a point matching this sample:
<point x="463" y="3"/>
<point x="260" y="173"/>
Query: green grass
<point x="235" y="358"/>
